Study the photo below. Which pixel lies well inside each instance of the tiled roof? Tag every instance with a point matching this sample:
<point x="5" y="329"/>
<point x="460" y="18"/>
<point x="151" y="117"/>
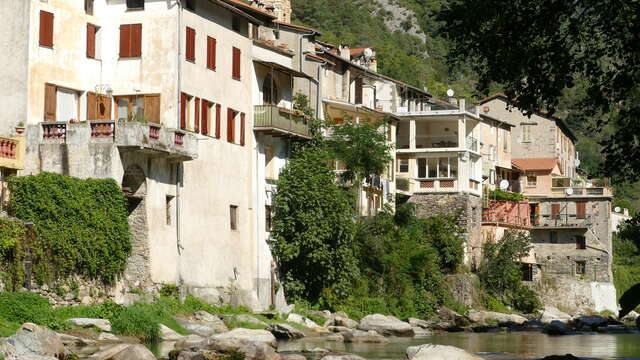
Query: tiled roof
<point x="358" y="51"/>
<point x="245" y="6"/>
<point x="296" y="26"/>
<point x="535" y="163"/>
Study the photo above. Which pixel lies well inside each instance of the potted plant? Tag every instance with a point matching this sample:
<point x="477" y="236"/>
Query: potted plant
<point x="20" y="128"/>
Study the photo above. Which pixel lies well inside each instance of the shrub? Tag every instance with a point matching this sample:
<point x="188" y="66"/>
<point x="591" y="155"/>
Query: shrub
<point x="141" y="320"/>
<point x="12" y="235"/>
<point x="500" y="195"/>
<point x="25" y="307"/>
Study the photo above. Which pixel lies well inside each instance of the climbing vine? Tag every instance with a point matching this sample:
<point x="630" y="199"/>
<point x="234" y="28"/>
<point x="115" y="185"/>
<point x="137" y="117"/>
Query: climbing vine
<point x="12" y="233"/>
<point x="79" y="226"/>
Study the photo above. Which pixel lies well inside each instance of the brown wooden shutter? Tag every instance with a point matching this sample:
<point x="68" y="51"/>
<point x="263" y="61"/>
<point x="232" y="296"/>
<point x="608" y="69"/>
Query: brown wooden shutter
<point x="230" y="121"/>
<point x="152" y="108"/>
<point x="104" y="107"/>
<point x="125" y="41"/>
<point x="581" y="209"/>
<point x="555" y="211"/>
<point x="358" y="95"/>
<point x="92" y="106"/>
<point x="91" y="41"/>
<point x="211" y="53"/>
<point x="218" y="115"/>
<point x="204" y="117"/>
<point x="242" y="129"/>
<point x="236" y="64"/>
<point x="183" y="111"/>
<point x="46" y="28"/>
<point x="49" y="102"/>
<point x="196" y="120"/>
<point x="136" y="40"/>
<point x="191" y="44"/>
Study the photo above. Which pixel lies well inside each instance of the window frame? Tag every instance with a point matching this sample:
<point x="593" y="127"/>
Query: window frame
<point x="401" y="165"/>
<point x="581" y="242"/>
<point x="233" y="217"/>
<point x="437" y="160"/>
<point x="130" y="103"/>
<point x="139" y="8"/>
<point x="526" y="133"/>
<point x="581" y="268"/>
<point x="533" y="183"/>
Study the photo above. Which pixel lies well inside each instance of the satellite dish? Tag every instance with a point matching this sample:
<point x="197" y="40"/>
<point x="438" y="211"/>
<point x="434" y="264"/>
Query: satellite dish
<point x="617" y="209"/>
<point x="504" y="184"/>
<point x="450" y="93"/>
<point x="577" y="162"/>
<point x="569" y="191"/>
<point x="368" y="53"/>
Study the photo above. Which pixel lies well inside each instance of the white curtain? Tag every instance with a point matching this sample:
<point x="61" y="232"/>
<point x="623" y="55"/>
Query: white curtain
<point x="67" y="105"/>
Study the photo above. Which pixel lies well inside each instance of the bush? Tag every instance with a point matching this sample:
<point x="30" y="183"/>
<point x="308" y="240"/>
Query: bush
<point x="500" y="195"/>
<point x="81" y="225"/>
<point x="12" y="235"/>
<point x="25" y="307"/>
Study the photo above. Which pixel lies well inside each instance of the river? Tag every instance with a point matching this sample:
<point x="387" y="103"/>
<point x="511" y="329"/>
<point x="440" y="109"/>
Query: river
<point x="513" y="345"/>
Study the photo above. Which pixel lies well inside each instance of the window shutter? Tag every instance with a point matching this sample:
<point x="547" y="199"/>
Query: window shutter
<point x="136" y="40"/>
<point x="46" y="28"/>
<point x="92" y="105"/>
<point x="358" y="95"/>
<point x="191" y="44"/>
<point x="104" y="107"/>
<point x="152" y="108"/>
<point x="230" y="128"/>
<point x="581" y="210"/>
<point x="196" y="120"/>
<point x="236" y="64"/>
<point x="91" y="41"/>
<point x="125" y="41"/>
<point x="49" y="102"/>
<point x="218" y="114"/>
<point x="183" y="111"/>
<point x="555" y="211"/>
<point x="211" y="53"/>
<point x="204" y="117"/>
<point x="242" y="129"/>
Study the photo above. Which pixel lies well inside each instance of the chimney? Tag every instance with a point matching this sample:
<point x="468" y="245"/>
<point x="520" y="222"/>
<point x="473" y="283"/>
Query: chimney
<point x="344" y="52"/>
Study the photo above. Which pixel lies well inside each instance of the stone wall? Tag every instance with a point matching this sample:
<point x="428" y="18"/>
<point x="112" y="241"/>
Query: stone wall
<point x="466" y="208"/>
<point x="465" y="288"/>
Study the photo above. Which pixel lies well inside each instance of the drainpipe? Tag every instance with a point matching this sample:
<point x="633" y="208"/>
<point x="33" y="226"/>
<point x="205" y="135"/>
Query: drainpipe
<point x="179" y="167"/>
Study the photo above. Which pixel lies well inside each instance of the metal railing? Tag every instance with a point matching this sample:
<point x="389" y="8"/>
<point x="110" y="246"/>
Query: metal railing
<point x="271" y="116"/>
<point x="561" y="220"/>
<point x="472" y="143"/>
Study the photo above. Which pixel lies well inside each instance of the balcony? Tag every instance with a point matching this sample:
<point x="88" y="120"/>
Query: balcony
<point x="275" y="121"/>
<point x="12" y="152"/>
<point x="561" y="221"/>
<point x="581" y="191"/>
<point x="510" y="213"/>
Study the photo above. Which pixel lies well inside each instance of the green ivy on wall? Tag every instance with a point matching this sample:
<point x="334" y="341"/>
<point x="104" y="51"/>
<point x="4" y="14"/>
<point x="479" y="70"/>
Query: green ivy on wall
<point x="79" y="226"/>
<point x="12" y="233"/>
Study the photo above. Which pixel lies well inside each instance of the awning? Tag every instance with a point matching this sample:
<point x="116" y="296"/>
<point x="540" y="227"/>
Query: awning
<point x="283" y="69"/>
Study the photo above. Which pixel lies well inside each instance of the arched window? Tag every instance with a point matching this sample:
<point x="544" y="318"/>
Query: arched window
<point x="270" y="91"/>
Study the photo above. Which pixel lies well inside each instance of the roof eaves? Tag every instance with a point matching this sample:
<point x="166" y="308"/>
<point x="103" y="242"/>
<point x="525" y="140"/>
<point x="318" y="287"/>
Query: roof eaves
<point x="297" y="27"/>
<point x="244" y="9"/>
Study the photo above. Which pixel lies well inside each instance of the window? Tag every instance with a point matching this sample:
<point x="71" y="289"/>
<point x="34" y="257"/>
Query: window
<point x="139" y="108"/>
<point x="441" y="167"/>
<point x="130" y="40"/>
<point x="526" y="133"/>
<point x="169" y="208"/>
<point x="553" y="237"/>
<point x="270" y="91"/>
<point x="135" y="4"/>
<point x="190" y="52"/>
<point x="267" y="219"/>
<point x="67" y="105"/>
<point x="46" y="28"/>
<point x="196" y="117"/>
<point x="93" y="41"/>
<point x="505" y="143"/>
<point x="532" y="180"/>
<point x="185" y="113"/>
<point x="98" y="107"/>
<point x="231" y="119"/>
<point x="358" y="88"/>
<point x="492" y="153"/>
<point x="581" y="268"/>
<point x="233" y="217"/>
<point x="422" y="168"/>
<point x="236" y="64"/>
<point x="88" y="7"/>
<point x="205" y="117"/>
<point x="403" y="165"/>
<point x="581" y="242"/>
<point x="218" y="115"/>
<point x="235" y="23"/>
<point x="527" y="272"/>
<point x="191" y="5"/>
<point x="211" y="53"/>
<point x="555" y="211"/>
<point x="581" y="209"/>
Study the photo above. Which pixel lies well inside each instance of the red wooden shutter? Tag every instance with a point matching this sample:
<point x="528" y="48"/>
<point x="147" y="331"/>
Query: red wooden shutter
<point x="46" y="28"/>
<point x="125" y="41"/>
<point x="191" y="44"/>
<point x="581" y="210"/>
<point x="49" y="102"/>
<point x="242" y="129"/>
<point x="183" y="111"/>
<point x="91" y="41"/>
<point x="204" y="117"/>
<point x="136" y="40"/>
<point x="230" y="127"/>
<point x="152" y="108"/>
<point x="211" y="53"/>
<point x="196" y="120"/>
<point x="92" y="106"/>
<point x="236" y="64"/>
<point x="555" y="211"/>
<point x="218" y="114"/>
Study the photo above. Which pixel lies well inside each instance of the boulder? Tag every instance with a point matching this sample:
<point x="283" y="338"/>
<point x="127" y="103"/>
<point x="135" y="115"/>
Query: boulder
<point x="70" y="340"/>
<point x="638" y="322"/>
<point x="551" y="313"/>
<point x="7" y="351"/>
<point x="134" y="352"/>
<point x="335" y="337"/>
<point x="323" y="314"/>
<point x="222" y="345"/>
<point x="589" y="323"/>
<point x="259" y="351"/>
<point x="284" y="331"/>
<point x="487" y="329"/>
<point x="101" y="324"/>
<point x="108" y="337"/>
<point x="248" y="334"/>
<point x="247" y="319"/>
<point x="211" y="321"/>
<point x="108" y="352"/>
<point x="557" y="327"/>
<point x="166" y="334"/>
<point x="302" y="320"/>
<point x="339" y="329"/>
<point x="188" y="341"/>
<point x="630" y="317"/>
<point x="385" y="325"/>
<point x="421" y="323"/>
<point x="342" y="357"/>
<point x="438" y="352"/>
<point x="292" y="357"/>
<point x="482" y="317"/>
<point x="32" y="339"/>
<point x="341" y="319"/>
<point x="450" y="316"/>
<point x="366" y="337"/>
<point x="419" y="332"/>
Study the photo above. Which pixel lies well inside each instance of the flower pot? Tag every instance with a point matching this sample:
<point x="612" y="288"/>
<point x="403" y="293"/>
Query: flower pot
<point x="19" y="130"/>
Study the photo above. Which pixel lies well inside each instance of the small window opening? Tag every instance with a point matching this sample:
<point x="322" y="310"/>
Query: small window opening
<point x="233" y="217"/>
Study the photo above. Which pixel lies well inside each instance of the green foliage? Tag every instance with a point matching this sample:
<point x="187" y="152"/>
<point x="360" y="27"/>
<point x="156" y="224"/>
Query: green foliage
<point x="496" y="305"/>
<point x="626" y="259"/>
<point x="500" y="195"/>
<point x="170" y="291"/>
<point x="501" y="275"/>
<point x="313" y="230"/>
<point x="402" y="184"/>
<point x="12" y="235"/>
<point x="80" y="225"/>
<point x="630" y="300"/>
<point x="25" y="307"/>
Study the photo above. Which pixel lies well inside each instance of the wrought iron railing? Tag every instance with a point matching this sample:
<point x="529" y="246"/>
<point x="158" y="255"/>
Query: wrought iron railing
<point x="271" y="116"/>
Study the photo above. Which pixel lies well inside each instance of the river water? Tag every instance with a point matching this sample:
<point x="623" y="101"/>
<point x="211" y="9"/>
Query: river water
<point x="513" y="345"/>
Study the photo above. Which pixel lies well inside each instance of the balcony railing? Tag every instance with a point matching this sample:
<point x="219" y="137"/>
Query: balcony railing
<point x="581" y="191"/>
<point x="515" y="213"/>
<point x="273" y="118"/>
<point x="54" y="130"/>
<point x="472" y="143"/>
<point x="561" y="220"/>
<point x="8" y="148"/>
<point x="103" y="129"/>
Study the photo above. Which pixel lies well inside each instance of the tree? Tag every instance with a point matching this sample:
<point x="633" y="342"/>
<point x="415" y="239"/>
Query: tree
<point x="312" y="238"/>
<point x="538" y="49"/>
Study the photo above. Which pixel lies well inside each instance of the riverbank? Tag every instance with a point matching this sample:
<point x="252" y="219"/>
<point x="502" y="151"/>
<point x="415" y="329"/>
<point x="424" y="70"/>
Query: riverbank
<point x="193" y="329"/>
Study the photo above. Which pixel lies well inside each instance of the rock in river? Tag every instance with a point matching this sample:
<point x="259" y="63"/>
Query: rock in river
<point x="385" y="325"/>
<point x="438" y="352"/>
